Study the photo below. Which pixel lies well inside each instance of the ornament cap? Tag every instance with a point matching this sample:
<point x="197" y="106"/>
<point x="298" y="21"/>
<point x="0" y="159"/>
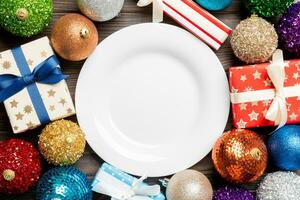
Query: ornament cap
<point x="255" y="153"/>
<point x="22" y="14"/>
<point x="8" y="174"/>
<point x="84" y="33"/>
<point x="70" y="140"/>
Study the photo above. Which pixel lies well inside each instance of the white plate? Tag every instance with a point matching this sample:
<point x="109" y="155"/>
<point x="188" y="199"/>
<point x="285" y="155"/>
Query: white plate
<point x="152" y="99"/>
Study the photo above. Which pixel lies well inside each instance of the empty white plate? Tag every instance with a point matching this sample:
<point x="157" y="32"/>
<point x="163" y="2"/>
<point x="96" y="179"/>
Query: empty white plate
<point x="152" y="99"/>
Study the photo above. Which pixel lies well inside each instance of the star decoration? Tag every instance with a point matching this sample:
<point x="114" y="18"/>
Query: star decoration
<point x="15" y="128"/>
<point x="233" y="90"/>
<point x="14" y="104"/>
<point x="243" y="106"/>
<point x="27" y="109"/>
<point x="69" y="110"/>
<point x="30" y="62"/>
<point x="266" y="102"/>
<point x="62" y="101"/>
<point x="293" y="116"/>
<point x="243" y="78"/>
<point x="248" y="89"/>
<point x="298" y="66"/>
<point x="254" y="103"/>
<point x="264" y="112"/>
<point x="6" y="65"/>
<point x="296" y="75"/>
<point x="267" y="82"/>
<point x="256" y="75"/>
<point x="43" y="54"/>
<point x="19" y="116"/>
<point x="253" y="115"/>
<point x="52" y="108"/>
<point x="51" y="93"/>
<point x="30" y="124"/>
<point x="241" y="124"/>
<point x="288" y="106"/>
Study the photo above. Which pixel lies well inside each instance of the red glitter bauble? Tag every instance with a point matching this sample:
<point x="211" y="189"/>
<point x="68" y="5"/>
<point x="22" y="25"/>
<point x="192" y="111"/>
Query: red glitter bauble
<point x="240" y="156"/>
<point x="20" y="166"/>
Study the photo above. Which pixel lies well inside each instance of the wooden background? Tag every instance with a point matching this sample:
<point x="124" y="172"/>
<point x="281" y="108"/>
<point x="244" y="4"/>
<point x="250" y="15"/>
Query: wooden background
<point x="130" y="14"/>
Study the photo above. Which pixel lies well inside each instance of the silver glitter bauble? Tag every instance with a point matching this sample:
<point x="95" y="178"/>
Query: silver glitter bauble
<point x="189" y="185"/>
<point x="279" y="186"/>
<point x="100" y="10"/>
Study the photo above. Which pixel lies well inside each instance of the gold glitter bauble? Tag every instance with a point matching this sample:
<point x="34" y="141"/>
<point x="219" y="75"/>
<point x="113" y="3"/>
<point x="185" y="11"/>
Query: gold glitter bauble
<point x="189" y="185"/>
<point x="62" y="142"/>
<point x="254" y="40"/>
<point x="240" y="156"/>
<point x="74" y="37"/>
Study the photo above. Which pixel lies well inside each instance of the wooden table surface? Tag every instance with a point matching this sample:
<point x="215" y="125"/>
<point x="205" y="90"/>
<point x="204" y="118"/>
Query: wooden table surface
<point x="130" y="14"/>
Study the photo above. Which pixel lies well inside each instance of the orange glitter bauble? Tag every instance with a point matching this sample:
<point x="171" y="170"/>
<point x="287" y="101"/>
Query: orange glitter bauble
<point x="74" y="37"/>
<point x="240" y="156"/>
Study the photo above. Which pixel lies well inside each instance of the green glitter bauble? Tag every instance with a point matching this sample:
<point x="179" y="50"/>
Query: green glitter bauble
<point x="25" y="17"/>
<point x="268" y="8"/>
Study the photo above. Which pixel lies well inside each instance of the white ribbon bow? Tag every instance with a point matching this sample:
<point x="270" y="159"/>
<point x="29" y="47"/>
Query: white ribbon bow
<point x="277" y="111"/>
<point x="119" y="190"/>
<point x="158" y="12"/>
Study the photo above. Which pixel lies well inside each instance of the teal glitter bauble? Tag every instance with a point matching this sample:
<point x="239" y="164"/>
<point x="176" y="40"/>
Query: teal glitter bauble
<point x="64" y="183"/>
<point x="267" y="8"/>
<point x="214" y="4"/>
<point x="25" y="17"/>
<point x="284" y="147"/>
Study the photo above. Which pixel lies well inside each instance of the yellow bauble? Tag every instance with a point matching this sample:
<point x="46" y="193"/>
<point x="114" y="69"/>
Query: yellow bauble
<point x="74" y="37"/>
<point x="62" y="142"/>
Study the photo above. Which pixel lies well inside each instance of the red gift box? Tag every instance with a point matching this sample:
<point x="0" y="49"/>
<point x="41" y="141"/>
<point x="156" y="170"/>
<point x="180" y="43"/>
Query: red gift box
<point x="254" y="80"/>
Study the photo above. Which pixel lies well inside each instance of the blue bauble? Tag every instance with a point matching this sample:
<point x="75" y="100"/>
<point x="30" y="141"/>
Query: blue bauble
<point x="214" y="4"/>
<point x="284" y="147"/>
<point x="64" y="183"/>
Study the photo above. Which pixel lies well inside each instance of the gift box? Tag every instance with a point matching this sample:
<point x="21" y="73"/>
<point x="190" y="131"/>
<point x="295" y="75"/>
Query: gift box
<point x="197" y="20"/>
<point x="119" y="185"/>
<point x="265" y="94"/>
<point x="32" y="86"/>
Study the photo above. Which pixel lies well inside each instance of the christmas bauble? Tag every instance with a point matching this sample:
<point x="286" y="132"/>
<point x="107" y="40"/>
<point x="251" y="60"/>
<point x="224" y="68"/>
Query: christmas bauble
<point x="25" y="17"/>
<point x="189" y="185"/>
<point x="268" y="8"/>
<point x="74" y="37"/>
<point x="240" y="156"/>
<point x="279" y="186"/>
<point x="289" y="29"/>
<point x="20" y="166"/>
<point x="254" y="40"/>
<point x="214" y="4"/>
<point x="62" y="142"/>
<point x="232" y="193"/>
<point x="100" y="10"/>
<point x="284" y="147"/>
<point x="64" y="183"/>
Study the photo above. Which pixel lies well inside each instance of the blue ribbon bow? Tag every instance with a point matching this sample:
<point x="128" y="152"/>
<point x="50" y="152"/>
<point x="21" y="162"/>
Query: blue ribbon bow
<point x="46" y="72"/>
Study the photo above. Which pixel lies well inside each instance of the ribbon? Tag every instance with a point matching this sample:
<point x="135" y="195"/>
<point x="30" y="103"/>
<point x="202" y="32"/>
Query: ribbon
<point x="157" y="12"/>
<point x="120" y="186"/>
<point x="46" y="72"/>
<point x="277" y="112"/>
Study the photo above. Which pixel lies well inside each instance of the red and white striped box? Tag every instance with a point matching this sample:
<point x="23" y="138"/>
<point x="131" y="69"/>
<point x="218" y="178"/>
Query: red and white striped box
<point x="198" y="21"/>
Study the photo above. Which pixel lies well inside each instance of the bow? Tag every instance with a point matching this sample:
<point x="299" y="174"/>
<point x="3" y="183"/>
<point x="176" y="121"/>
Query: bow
<point x="121" y="186"/>
<point x="46" y="72"/>
<point x="158" y="12"/>
<point x="139" y="192"/>
<point x="278" y="110"/>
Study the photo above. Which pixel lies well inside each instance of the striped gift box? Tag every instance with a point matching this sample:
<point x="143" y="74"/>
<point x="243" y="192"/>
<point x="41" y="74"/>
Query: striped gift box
<point x="198" y="21"/>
